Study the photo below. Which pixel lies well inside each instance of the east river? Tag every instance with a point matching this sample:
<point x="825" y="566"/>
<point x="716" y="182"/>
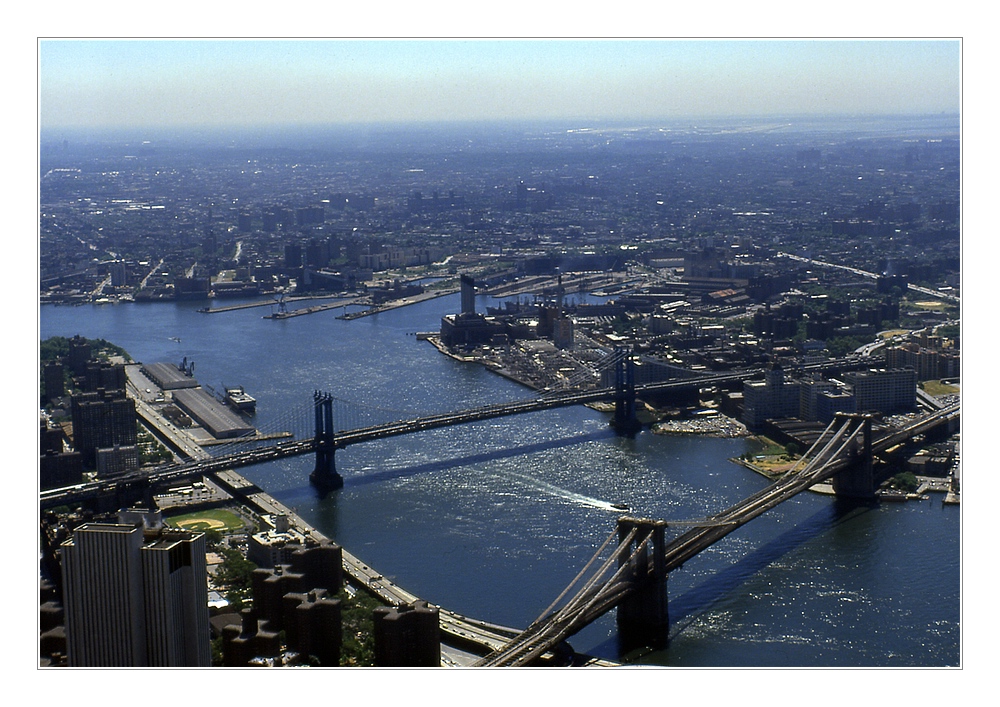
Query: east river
<point x="493" y="520"/>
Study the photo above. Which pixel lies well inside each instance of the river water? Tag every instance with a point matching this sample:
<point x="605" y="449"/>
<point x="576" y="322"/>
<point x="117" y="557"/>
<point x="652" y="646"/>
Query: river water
<point x="494" y="519"/>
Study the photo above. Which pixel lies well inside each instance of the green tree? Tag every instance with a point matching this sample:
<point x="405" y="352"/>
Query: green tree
<point x="217" y="656"/>
<point x="905" y="481"/>
<point x="235" y="577"/>
<point x="842" y="345"/>
<point x="357" y="646"/>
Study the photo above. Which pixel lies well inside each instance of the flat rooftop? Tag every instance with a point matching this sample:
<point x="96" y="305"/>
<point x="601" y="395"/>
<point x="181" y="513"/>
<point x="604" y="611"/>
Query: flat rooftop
<point x="211" y="414"/>
<point x="168" y="377"/>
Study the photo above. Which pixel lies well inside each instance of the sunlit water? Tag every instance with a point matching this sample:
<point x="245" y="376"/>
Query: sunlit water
<point x="494" y="519"/>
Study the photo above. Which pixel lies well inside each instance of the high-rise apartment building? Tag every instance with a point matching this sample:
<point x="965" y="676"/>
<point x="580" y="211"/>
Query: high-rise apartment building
<point x="135" y="594"/>
<point x="101" y="420"/>
<point x="771" y="399"/>
<point x="886" y="391"/>
<point x="55" y="385"/>
<point x="79" y="355"/>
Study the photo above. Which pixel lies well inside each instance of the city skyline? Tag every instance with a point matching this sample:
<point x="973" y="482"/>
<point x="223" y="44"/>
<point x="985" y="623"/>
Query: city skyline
<point x="149" y="84"/>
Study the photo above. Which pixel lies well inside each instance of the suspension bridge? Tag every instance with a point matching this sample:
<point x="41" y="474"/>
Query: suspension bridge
<point x="328" y="424"/>
<point x="632" y="577"/>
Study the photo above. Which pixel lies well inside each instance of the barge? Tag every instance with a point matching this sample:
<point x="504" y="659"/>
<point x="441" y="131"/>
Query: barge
<point x="239" y="399"/>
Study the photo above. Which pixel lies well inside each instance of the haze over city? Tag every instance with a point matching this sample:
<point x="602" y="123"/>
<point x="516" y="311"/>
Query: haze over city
<point x="328" y="171"/>
<point x="209" y="83"/>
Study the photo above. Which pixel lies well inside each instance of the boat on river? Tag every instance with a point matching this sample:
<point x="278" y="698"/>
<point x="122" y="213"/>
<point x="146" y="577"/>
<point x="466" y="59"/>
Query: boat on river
<point x="239" y="399"/>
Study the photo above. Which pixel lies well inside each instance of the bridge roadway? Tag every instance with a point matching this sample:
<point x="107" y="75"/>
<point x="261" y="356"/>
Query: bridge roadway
<point x="201" y="464"/>
<point x="873" y="276"/>
<point x="598" y="599"/>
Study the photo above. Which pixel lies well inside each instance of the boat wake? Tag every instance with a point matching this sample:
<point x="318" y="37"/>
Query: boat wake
<point x="577" y="498"/>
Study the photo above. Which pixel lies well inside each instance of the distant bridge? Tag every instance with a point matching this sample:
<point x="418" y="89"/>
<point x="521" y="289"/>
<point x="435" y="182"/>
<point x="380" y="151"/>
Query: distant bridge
<point x="324" y="440"/>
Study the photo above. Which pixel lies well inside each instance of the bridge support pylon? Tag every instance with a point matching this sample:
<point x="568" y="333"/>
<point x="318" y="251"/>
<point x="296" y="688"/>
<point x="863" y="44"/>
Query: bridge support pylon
<point x="642" y="616"/>
<point x="325" y="477"/>
<point x="625" y="422"/>
<point x="858" y="480"/>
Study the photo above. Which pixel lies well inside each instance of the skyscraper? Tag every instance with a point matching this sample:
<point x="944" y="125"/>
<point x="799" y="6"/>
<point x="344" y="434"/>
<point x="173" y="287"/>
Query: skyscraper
<point x="468" y="295"/>
<point x="135" y="594"/>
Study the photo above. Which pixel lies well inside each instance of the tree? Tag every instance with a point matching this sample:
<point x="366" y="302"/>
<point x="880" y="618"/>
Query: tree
<point x="905" y="481"/>
<point x="235" y="577"/>
<point x="358" y="629"/>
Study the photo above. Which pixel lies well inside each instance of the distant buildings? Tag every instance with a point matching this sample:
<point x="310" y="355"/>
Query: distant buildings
<point x="135" y="594"/>
<point x="886" y="391"/>
<point x="772" y="398"/>
<point x="929" y="363"/>
<point x="468" y="328"/>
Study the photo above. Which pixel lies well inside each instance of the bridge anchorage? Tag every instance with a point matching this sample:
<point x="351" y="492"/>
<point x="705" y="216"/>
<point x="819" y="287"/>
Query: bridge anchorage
<point x="625" y="422"/>
<point x="325" y="477"/>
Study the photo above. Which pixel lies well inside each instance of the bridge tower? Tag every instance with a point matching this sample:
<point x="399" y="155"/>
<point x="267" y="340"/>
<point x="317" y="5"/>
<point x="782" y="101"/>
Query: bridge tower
<point x="858" y="480"/>
<point x="625" y="421"/>
<point x="325" y="477"/>
<point x="642" y="616"/>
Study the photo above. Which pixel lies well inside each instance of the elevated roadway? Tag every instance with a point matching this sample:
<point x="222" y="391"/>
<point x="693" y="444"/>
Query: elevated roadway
<point x="872" y="276"/>
<point x="200" y="462"/>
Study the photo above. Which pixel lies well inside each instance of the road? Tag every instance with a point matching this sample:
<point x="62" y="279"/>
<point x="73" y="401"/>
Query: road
<point x="874" y="276"/>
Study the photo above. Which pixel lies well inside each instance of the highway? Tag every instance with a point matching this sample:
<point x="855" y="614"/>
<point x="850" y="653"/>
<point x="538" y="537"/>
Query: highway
<point x="874" y="276"/>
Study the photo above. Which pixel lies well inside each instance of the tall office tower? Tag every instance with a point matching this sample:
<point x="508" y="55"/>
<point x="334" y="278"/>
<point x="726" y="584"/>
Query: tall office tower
<point x="135" y="594"/>
<point x="468" y="295"/>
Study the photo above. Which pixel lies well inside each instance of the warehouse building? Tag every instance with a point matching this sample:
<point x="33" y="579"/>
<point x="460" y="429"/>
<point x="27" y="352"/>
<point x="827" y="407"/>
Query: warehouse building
<point x="211" y="414"/>
<point x="168" y="376"/>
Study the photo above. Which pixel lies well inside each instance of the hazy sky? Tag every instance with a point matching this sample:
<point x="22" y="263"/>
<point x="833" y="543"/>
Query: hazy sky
<point x="175" y="83"/>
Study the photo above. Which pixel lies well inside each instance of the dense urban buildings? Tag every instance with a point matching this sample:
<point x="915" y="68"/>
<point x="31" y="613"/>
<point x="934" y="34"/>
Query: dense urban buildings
<point x="820" y="259"/>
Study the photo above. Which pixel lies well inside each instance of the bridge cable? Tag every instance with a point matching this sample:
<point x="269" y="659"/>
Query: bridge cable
<point x="567" y="626"/>
<point x="577" y="578"/>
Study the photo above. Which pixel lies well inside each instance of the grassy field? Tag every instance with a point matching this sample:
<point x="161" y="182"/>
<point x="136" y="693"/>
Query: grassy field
<point x="213" y="519"/>
<point x="894" y="332"/>
<point x="938" y="388"/>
